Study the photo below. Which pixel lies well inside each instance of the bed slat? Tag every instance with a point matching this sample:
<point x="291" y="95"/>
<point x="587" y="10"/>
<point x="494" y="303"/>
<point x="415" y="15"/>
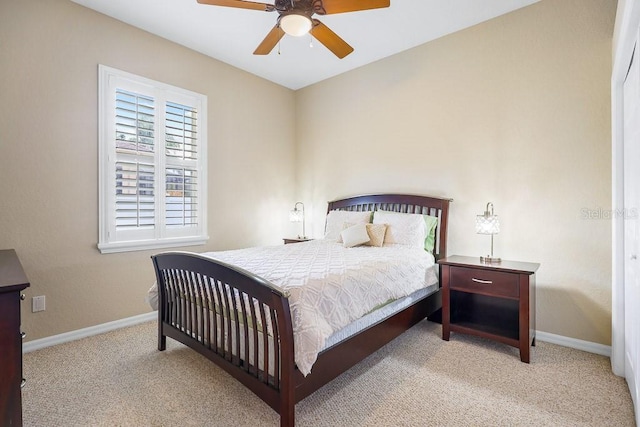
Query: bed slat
<point x="276" y="351"/>
<point x="265" y="344"/>
<point x="252" y="308"/>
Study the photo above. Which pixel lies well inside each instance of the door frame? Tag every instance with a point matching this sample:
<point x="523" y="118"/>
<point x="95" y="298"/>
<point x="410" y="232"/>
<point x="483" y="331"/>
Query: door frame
<point x="624" y="37"/>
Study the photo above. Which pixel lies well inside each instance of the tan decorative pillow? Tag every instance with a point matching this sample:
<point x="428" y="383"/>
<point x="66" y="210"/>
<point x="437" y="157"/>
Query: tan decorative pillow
<point x="376" y="234"/>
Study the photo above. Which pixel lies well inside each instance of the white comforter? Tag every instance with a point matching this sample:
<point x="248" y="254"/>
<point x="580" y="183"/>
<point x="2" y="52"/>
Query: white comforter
<point x="330" y="286"/>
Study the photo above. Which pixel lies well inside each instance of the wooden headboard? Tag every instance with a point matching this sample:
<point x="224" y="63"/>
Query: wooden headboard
<point x="406" y="203"/>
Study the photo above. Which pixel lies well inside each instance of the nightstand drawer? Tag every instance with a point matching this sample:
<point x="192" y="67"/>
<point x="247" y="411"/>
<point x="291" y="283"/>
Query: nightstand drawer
<point x="485" y="282"/>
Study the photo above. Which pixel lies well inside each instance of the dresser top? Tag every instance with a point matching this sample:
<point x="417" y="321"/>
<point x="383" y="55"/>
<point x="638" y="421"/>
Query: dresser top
<point x="12" y="277"/>
<point x="474" y="262"/>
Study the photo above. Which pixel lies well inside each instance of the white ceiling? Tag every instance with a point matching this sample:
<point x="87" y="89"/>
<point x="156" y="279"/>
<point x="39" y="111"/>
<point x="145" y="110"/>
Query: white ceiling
<point x="231" y="35"/>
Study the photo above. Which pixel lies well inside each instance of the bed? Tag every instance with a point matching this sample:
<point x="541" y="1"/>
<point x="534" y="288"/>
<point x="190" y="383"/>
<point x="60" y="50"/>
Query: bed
<point x="251" y="326"/>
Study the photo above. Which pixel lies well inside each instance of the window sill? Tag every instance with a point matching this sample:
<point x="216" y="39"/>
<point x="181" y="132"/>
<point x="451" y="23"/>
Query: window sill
<point x="142" y="245"/>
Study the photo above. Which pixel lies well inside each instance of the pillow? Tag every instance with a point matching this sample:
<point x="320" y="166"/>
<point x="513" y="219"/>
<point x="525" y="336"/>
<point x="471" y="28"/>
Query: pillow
<point x="335" y="220"/>
<point x="355" y="235"/>
<point x="376" y="233"/>
<point x="432" y="223"/>
<point x="403" y="228"/>
<point x="345" y="225"/>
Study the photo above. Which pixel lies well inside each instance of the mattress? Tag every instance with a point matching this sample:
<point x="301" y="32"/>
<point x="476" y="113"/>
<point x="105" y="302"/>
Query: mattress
<point x="378" y="315"/>
<point x="330" y="287"/>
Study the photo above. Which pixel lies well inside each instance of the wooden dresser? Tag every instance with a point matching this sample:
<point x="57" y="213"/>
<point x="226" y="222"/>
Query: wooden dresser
<point x="12" y="282"/>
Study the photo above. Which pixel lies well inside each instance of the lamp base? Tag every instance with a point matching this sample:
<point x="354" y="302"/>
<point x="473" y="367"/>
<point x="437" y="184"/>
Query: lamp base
<point x="490" y="260"/>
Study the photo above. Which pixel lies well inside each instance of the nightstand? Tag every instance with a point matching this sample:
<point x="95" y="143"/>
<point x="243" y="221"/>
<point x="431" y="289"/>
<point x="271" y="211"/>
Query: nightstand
<point x="495" y="301"/>
<point x="288" y="240"/>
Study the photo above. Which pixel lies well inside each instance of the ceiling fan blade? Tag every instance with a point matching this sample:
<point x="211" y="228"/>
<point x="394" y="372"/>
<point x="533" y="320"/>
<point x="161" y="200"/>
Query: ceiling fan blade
<point x="341" y="6"/>
<point x="241" y="4"/>
<point x="331" y="40"/>
<point x="270" y="41"/>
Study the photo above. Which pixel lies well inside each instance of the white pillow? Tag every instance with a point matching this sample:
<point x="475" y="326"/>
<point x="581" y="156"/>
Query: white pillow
<point x="355" y="235"/>
<point x="335" y="220"/>
<point x="376" y="233"/>
<point x="402" y="228"/>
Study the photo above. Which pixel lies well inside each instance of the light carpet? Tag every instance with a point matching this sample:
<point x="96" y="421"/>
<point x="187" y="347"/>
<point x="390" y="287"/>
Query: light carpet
<point x="121" y="379"/>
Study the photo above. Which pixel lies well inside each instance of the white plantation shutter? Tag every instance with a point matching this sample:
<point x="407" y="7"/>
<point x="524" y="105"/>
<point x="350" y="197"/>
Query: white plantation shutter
<point x="135" y="170"/>
<point x="181" y="200"/>
<point x="152" y="164"/>
<point x="181" y="130"/>
<point x="135" y="201"/>
<point x="181" y="197"/>
<point x="135" y="119"/>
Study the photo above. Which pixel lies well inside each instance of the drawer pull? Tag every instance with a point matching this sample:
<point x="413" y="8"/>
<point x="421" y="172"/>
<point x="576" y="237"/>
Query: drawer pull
<point x="23" y="382"/>
<point x="23" y="335"/>
<point x="22" y="297"/>
<point x="484" y="282"/>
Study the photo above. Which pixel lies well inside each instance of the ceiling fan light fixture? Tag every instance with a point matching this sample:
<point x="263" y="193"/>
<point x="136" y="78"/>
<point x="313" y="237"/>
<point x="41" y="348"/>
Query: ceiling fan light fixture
<point x="295" y="24"/>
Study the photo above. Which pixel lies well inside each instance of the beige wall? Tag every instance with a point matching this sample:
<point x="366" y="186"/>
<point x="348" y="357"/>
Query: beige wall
<point x="515" y="111"/>
<point x="50" y="51"/>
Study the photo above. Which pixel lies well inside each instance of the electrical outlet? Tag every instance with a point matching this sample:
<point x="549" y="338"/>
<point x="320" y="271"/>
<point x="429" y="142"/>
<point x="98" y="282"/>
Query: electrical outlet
<point x="37" y="304"/>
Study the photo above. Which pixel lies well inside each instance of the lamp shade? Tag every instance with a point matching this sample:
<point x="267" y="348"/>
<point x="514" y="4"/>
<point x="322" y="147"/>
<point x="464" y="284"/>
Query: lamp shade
<point x="296" y="215"/>
<point x="487" y="224"/>
<point x="295" y="25"/>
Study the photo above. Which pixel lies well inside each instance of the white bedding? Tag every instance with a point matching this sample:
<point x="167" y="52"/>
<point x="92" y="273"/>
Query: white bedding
<point x="330" y="286"/>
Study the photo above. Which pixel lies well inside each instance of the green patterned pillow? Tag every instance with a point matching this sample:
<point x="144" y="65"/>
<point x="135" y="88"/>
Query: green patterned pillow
<point x="431" y="222"/>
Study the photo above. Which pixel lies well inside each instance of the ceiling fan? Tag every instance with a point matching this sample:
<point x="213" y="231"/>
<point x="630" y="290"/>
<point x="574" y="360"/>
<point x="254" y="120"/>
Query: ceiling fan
<point x="296" y="19"/>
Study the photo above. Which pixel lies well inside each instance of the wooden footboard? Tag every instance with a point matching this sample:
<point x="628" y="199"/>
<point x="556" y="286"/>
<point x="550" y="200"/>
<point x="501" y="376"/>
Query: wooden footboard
<point x="234" y="318"/>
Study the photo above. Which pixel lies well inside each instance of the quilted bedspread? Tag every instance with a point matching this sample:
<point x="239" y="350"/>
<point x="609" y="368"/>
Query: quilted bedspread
<point x="330" y="286"/>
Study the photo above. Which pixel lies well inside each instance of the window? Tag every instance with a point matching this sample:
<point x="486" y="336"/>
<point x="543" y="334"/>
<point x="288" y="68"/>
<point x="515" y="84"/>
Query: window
<point x="153" y="176"/>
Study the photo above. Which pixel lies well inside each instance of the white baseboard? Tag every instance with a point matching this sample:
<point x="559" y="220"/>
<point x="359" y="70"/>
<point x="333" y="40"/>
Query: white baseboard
<point x="630" y="376"/>
<point x="591" y="347"/>
<point x="87" y="332"/>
